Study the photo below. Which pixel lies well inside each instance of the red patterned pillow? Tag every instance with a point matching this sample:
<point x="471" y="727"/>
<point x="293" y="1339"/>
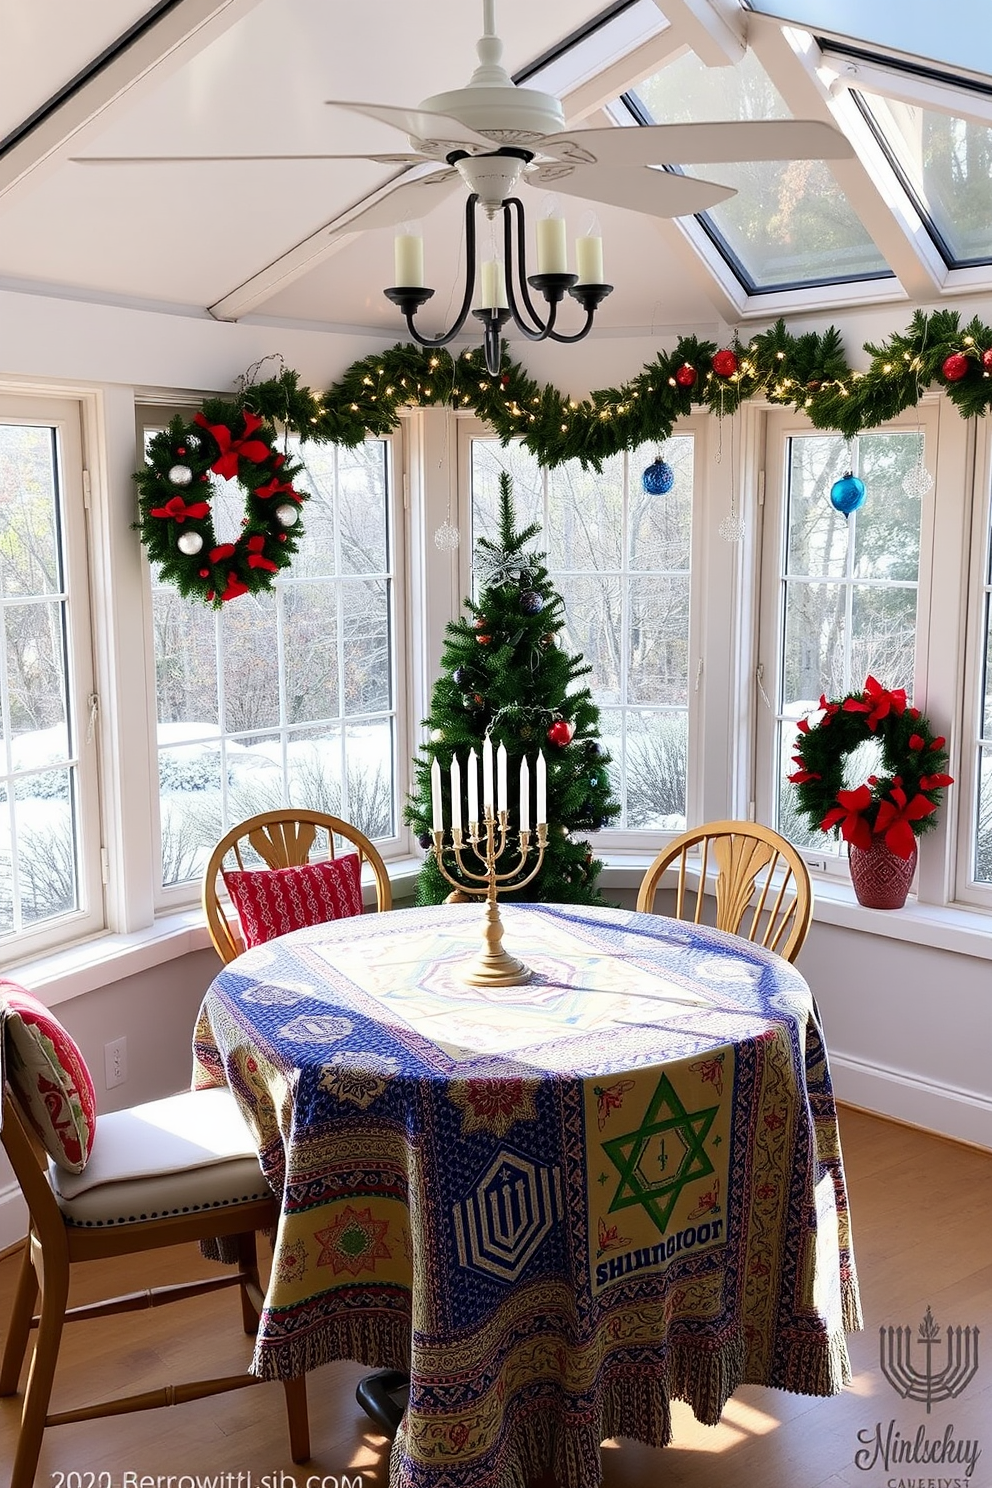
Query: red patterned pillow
<point x="50" y="1078"/>
<point x="273" y="901"/>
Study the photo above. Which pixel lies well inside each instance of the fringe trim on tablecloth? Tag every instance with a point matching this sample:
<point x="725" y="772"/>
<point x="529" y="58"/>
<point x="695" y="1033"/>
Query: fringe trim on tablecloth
<point x="706" y="1378"/>
<point x="852" y="1320"/>
<point x="377" y="1342"/>
<point x="818" y="1367"/>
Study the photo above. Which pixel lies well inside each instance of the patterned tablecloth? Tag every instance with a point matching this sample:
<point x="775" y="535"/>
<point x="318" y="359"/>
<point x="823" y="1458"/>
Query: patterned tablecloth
<point x="556" y="1205"/>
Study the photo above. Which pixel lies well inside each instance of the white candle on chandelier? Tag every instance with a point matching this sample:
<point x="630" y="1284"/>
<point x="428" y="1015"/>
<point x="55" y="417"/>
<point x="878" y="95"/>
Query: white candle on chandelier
<point x="501" y="778"/>
<point x="589" y="251"/>
<point x="473" y="787"/>
<point x="552" y="255"/>
<point x="493" y="291"/>
<point x="487" y="773"/>
<point x="524" y="795"/>
<point x="436" y="812"/>
<point x="456" y="792"/>
<point x="542" y="790"/>
<point x="408" y="257"/>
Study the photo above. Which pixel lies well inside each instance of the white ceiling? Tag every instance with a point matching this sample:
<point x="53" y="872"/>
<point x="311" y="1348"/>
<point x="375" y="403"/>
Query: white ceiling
<point x="251" y="76"/>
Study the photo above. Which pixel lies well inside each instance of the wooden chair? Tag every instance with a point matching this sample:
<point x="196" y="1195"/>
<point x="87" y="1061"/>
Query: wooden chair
<point x="756" y="871"/>
<point x="281" y="839"/>
<point x="229" y="1197"/>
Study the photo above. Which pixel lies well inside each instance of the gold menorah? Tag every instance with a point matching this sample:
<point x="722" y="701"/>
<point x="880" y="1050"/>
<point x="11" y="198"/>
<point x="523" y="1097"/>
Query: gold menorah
<point x="488" y="839"/>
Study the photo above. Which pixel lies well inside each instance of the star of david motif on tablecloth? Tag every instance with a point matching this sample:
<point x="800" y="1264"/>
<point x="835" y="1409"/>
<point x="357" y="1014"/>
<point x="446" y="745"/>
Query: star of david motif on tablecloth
<point x="354" y="1242"/>
<point x="665" y="1153"/>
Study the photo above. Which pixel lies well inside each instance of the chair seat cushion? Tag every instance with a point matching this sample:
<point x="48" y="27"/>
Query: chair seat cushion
<point x="49" y="1075"/>
<point x="187" y="1152"/>
<point x="273" y="901"/>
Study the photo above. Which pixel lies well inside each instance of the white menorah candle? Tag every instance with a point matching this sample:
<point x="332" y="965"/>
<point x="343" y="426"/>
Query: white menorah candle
<point x="542" y="790"/>
<point x="473" y="786"/>
<point x="437" y="815"/>
<point x="456" y="792"/>
<point x="487" y="772"/>
<point x="524" y="795"/>
<point x="501" y="778"/>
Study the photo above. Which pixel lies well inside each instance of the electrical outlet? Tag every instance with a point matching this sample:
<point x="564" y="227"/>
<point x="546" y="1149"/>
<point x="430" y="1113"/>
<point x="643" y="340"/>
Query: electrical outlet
<point x="115" y="1062"/>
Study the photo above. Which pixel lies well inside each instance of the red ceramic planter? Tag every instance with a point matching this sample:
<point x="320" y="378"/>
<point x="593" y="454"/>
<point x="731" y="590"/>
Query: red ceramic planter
<point x="881" y="879"/>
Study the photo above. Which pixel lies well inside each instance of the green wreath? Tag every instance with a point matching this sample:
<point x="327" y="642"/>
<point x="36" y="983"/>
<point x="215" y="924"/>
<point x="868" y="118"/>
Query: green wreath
<point x="176" y="522"/>
<point x="901" y="801"/>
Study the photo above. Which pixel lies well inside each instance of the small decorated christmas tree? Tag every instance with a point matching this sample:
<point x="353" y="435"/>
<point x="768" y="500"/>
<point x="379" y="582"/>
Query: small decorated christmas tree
<point x="507" y="678"/>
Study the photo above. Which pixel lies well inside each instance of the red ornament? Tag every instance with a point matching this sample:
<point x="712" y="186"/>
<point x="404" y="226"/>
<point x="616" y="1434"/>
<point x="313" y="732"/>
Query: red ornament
<point x="204" y="573"/>
<point x="686" y="375"/>
<point x="724" y="364"/>
<point x="560" y="733"/>
<point x="504" y="380"/>
<point x="483" y="640"/>
<point x="987" y="359"/>
<point x="955" y="366"/>
<point x="181" y="450"/>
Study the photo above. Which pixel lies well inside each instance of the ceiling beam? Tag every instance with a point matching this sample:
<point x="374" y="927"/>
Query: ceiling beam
<point x="867" y="180"/>
<point x="715" y="29"/>
<point x="155" y="51"/>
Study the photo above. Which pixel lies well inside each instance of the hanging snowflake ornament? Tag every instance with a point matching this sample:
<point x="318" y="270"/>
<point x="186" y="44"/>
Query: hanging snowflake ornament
<point x="731" y="529"/>
<point x="447" y="537"/>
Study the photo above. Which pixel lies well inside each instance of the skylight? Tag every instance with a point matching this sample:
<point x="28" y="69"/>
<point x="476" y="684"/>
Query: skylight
<point x="789" y="226"/>
<point x="945" y="164"/>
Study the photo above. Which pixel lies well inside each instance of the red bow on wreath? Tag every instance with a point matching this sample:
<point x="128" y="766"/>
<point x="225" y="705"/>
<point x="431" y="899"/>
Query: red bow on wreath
<point x="877" y="701"/>
<point x="177" y="509"/>
<point x="256" y="546"/>
<point x="274" y="487"/>
<point x="231" y="449"/>
<point x="895" y="813"/>
<point x="853" y="826"/>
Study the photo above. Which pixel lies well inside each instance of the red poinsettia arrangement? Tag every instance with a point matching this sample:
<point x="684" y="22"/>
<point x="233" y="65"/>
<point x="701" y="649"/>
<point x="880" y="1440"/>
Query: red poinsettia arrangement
<point x="897" y="803"/>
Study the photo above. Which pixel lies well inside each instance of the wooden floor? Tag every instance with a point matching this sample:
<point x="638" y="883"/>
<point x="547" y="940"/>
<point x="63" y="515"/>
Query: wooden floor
<point x="922" y="1211"/>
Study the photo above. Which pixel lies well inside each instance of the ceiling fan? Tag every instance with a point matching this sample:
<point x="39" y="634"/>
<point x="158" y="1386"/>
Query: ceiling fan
<point x="493" y="135"/>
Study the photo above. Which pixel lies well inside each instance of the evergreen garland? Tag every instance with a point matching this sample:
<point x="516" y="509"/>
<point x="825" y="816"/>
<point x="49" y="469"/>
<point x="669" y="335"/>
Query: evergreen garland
<point x="808" y="372"/>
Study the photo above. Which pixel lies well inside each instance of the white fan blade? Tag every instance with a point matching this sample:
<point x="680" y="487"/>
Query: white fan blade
<point x="700" y="144"/>
<point x="408" y="200"/>
<point x="654" y="192"/>
<point x="400" y="158"/>
<point x="436" y="134"/>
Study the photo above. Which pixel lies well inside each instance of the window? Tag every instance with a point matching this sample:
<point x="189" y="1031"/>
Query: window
<point x="844" y="600"/>
<point x="287" y="697"/>
<point x="50" y="885"/>
<point x="621" y="560"/>
<point x="789" y="225"/>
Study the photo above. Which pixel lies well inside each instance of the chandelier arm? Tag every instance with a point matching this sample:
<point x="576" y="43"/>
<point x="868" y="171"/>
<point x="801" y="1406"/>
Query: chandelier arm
<point x="578" y="335"/>
<point x="409" y="301"/>
<point x="542" y="329"/>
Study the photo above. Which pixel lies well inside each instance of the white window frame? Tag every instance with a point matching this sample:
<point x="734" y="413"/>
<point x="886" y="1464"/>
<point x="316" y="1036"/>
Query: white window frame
<point x="68" y="417"/>
<point x="175" y="897"/>
<point x="710" y="485"/>
<point x="969" y="891"/>
<point x="938" y="686"/>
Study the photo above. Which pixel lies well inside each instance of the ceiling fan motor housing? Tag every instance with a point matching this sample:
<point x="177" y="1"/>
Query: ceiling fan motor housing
<point x="493" y="105"/>
<point x="494" y="177"/>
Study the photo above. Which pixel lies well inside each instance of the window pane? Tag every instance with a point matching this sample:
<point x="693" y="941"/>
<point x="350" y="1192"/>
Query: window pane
<point x="293" y="663"/>
<point x="39" y="868"/>
<point x="850" y="588"/>
<point x="983" y="831"/>
<point x="789" y="224"/>
<point x="945" y="163"/>
<point x="620" y="560"/>
<point x="657" y="761"/>
<point x="310" y="639"/>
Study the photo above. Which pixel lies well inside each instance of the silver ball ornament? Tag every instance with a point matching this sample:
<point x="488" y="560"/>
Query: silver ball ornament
<point x="190" y="543"/>
<point x="287" y="514"/>
<point x="180" y="475"/>
<point x="437" y="735"/>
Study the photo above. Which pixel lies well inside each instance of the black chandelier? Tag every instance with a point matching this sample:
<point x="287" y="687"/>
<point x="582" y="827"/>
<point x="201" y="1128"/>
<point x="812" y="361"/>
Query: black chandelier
<point x="505" y="292"/>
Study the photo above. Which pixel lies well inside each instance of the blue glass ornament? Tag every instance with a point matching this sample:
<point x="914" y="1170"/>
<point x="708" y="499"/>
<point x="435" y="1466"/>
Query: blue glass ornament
<point x="659" y="478"/>
<point x="531" y="602"/>
<point x="847" y="494"/>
